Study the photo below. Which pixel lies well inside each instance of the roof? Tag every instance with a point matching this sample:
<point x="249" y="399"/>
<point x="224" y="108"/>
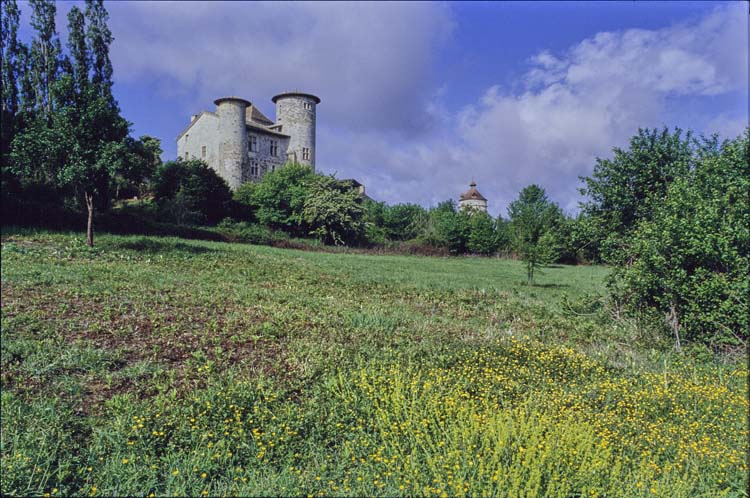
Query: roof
<point x="254" y="114"/>
<point x="263" y="129"/>
<point x="295" y="94"/>
<point x="230" y="99"/>
<point x="472" y="193"/>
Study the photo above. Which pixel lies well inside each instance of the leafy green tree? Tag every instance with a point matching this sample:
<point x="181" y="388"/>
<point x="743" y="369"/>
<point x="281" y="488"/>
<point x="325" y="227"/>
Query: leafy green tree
<point x="482" y="234"/>
<point x="374" y="220"/>
<point x="189" y="191"/>
<point x="10" y="65"/>
<point x="403" y="221"/>
<point x="625" y="189"/>
<point x="45" y="55"/>
<point x="447" y="227"/>
<point x="333" y="211"/>
<point x="99" y="38"/>
<point x="279" y="197"/>
<point x="531" y="218"/>
<point x="78" y="50"/>
<point x="688" y="260"/>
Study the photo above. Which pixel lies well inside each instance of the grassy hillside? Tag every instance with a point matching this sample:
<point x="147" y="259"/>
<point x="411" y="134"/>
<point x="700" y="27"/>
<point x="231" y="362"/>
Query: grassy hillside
<point x="164" y="366"/>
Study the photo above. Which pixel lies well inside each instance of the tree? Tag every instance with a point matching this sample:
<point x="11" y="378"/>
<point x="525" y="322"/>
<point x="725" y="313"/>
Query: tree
<point x="78" y="50"/>
<point x="45" y="55"/>
<point x="624" y="190"/>
<point x="531" y="219"/>
<point x="10" y="64"/>
<point x="333" y="211"/>
<point x="482" y="234"/>
<point x="688" y="261"/>
<point x="279" y="197"/>
<point x="190" y="191"/>
<point x="403" y="221"/>
<point x="99" y="38"/>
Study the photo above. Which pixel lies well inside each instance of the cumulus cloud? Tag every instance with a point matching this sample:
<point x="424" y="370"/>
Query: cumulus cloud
<point x="369" y="62"/>
<point x="572" y="107"/>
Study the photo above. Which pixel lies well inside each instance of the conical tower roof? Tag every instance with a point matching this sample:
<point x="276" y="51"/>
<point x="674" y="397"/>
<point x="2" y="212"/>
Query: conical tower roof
<point x="472" y="193"/>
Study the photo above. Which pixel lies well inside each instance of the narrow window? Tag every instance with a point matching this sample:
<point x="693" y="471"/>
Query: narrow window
<point x="253" y="143"/>
<point x="308" y="106"/>
<point x="274" y="148"/>
<point x="305" y="153"/>
<point x="203" y="152"/>
<point x="254" y="169"/>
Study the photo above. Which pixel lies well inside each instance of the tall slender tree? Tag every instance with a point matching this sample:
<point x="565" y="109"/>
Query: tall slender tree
<point x="11" y="70"/>
<point x="45" y="54"/>
<point x="99" y="38"/>
<point x="78" y="50"/>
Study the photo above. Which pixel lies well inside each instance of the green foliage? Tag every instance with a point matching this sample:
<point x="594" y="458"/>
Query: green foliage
<point x="333" y="211"/>
<point x="532" y="217"/>
<point x="483" y="237"/>
<point x="688" y="261"/>
<point x="189" y="192"/>
<point x="625" y="189"/>
<point x="279" y="197"/>
<point x="403" y="221"/>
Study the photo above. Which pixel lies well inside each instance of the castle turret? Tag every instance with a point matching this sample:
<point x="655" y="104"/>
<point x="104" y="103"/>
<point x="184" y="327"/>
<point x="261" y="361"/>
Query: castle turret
<point x="232" y="139"/>
<point x="472" y="199"/>
<point x="295" y="112"/>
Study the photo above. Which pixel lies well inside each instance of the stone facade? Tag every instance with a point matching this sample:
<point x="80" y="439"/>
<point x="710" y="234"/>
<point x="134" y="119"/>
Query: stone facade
<point x="241" y="144"/>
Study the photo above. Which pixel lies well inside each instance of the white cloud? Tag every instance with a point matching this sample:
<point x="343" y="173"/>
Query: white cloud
<point x="382" y="120"/>
<point x="369" y="62"/>
<point x="575" y="106"/>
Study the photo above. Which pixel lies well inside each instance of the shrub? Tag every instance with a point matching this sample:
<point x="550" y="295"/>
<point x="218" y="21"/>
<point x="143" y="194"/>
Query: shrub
<point x="189" y="192"/>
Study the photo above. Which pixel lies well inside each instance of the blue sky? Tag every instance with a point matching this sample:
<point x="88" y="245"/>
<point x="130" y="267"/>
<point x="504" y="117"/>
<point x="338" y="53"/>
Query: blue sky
<point x="419" y="98"/>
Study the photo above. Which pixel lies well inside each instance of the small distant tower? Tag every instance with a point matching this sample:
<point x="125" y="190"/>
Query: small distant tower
<point x="472" y="199"/>
<point x="295" y="112"/>
<point x="232" y="139"/>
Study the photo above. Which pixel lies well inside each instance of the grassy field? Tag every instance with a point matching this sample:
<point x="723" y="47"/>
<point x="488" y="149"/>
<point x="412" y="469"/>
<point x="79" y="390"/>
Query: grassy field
<point x="159" y="366"/>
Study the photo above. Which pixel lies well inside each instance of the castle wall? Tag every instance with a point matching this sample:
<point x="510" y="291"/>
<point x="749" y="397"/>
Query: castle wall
<point x="261" y="161"/>
<point x="476" y="204"/>
<point x="203" y="133"/>
<point x="299" y="123"/>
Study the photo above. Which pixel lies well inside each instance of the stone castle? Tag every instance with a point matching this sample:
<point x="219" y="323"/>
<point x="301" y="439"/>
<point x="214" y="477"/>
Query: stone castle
<point x="241" y="144"/>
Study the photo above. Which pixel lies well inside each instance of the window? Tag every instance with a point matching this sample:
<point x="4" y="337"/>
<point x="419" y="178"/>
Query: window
<point x="203" y="152"/>
<point x="274" y="148"/>
<point x="308" y="106"/>
<point x="187" y="156"/>
<point x="254" y="169"/>
<point x="305" y="153"/>
<point x="253" y="143"/>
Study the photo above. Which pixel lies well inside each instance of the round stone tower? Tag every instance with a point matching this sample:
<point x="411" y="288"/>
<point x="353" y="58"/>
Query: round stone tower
<point x="232" y="139"/>
<point x="295" y="112"/>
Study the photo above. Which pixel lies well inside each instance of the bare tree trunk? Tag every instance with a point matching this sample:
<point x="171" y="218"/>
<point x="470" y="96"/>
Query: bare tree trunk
<point x="90" y="224"/>
<point x="674" y="323"/>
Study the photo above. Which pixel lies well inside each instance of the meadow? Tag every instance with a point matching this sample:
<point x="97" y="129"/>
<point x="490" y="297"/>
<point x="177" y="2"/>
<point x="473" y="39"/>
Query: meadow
<point x="154" y="366"/>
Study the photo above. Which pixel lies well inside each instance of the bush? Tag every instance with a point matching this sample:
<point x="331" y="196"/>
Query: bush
<point x="688" y="262"/>
<point x="189" y="192"/>
<point x="250" y="233"/>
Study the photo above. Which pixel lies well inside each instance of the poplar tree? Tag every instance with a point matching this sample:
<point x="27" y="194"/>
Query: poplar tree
<point x="45" y="54"/>
<point x="10" y="64"/>
<point x="99" y="38"/>
<point x="78" y="50"/>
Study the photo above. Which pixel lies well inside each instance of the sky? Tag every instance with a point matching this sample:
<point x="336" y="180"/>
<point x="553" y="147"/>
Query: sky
<point x="420" y="98"/>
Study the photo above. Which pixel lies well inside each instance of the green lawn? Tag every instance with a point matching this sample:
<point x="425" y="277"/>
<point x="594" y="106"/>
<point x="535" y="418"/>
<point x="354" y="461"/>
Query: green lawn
<point x="167" y="366"/>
